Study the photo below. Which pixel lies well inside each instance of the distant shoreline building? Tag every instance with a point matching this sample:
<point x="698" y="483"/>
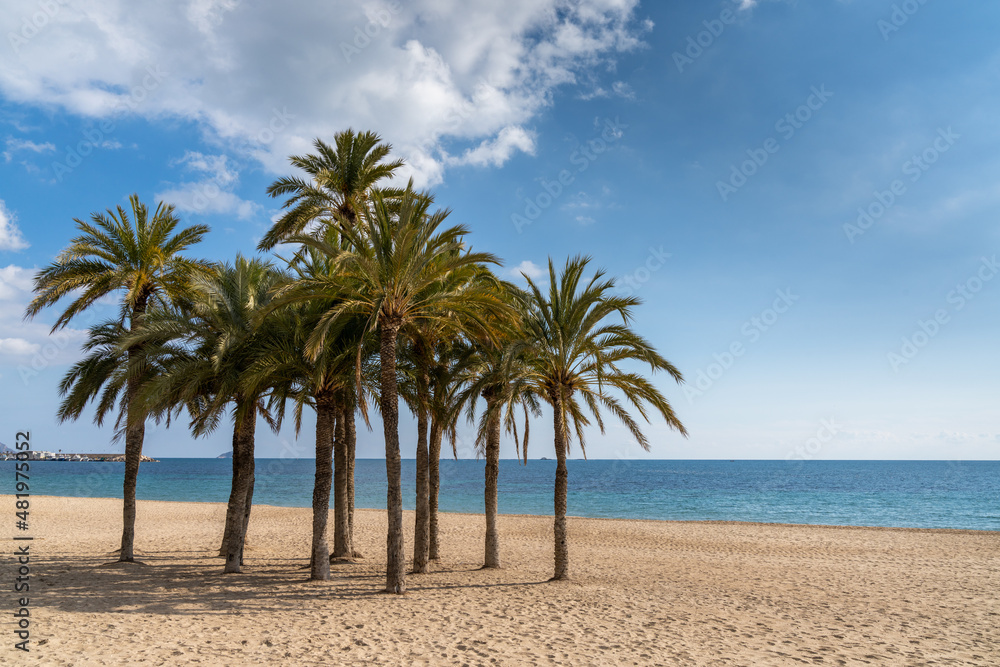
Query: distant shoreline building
<point x="41" y="455"/>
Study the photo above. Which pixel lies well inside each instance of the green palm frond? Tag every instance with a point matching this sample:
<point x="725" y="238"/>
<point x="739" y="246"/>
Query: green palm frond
<point x="138" y="256"/>
<point x="207" y="350"/>
<point x="124" y="251"/>
<point x="341" y="179"/>
<point x="576" y="334"/>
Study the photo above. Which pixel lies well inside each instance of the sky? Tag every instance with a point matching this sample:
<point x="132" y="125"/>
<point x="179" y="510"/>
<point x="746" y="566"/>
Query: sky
<point x="803" y="194"/>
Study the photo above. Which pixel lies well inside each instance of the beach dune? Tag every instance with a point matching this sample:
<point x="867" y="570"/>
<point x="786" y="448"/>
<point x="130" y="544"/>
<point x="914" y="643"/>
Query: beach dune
<point x="641" y="593"/>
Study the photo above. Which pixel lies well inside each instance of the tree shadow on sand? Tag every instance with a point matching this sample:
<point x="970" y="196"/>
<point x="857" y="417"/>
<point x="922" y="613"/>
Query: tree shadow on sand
<point x="192" y="583"/>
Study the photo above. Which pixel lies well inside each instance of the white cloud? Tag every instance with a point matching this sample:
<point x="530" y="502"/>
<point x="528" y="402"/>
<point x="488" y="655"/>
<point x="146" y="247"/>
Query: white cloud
<point x="206" y="15"/>
<point x="29" y="344"/>
<point x="623" y="90"/>
<point x="497" y="151"/>
<point x="14" y="145"/>
<point x="15" y="282"/>
<point x="264" y="79"/>
<point x="875" y="435"/>
<point x="216" y="166"/>
<point x="212" y="194"/>
<point x="618" y="89"/>
<point x="528" y="268"/>
<point x="18" y="347"/>
<point x="10" y="234"/>
<point x="206" y="198"/>
<point x="960" y="437"/>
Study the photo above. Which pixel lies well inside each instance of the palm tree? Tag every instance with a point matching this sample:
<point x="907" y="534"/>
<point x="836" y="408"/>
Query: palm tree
<point x="394" y="274"/>
<point x="140" y="256"/>
<point x="211" y="345"/>
<point x="499" y="373"/>
<point x="343" y="177"/>
<point x="424" y="337"/>
<point x="283" y="366"/>
<point x="447" y="382"/>
<point x="328" y="384"/>
<point x="576" y="353"/>
<point x="415" y="390"/>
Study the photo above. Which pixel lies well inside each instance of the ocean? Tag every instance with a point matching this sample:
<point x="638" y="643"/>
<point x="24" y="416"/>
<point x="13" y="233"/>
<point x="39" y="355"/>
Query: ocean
<point x="918" y="494"/>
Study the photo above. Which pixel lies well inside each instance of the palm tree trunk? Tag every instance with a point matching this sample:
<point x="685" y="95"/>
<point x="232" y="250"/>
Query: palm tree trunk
<point x="421" y="547"/>
<point x="492" y="558"/>
<point x="227" y="532"/>
<point x="352" y="443"/>
<point x="562" y="485"/>
<point x="135" y="432"/>
<point x="395" y="576"/>
<point x="434" y="485"/>
<point x="248" y="503"/>
<point x="341" y="548"/>
<point x="325" y="425"/>
<point x="243" y="467"/>
<point x="249" y="467"/>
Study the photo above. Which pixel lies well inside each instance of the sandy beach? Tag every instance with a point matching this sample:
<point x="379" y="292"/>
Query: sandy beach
<point x="642" y="593"/>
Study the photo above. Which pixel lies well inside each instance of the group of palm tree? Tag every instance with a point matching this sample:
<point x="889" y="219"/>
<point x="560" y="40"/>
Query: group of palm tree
<point x="376" y="300"/>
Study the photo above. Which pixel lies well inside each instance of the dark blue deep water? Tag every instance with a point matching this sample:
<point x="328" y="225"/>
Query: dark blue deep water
<point x="920" y="494"/>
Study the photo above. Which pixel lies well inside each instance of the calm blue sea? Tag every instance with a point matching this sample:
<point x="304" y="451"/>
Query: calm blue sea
<point x="921" y="494"/>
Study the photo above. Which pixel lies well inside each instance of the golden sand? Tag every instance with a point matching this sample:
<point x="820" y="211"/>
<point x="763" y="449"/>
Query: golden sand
<point x="642" y="593"/>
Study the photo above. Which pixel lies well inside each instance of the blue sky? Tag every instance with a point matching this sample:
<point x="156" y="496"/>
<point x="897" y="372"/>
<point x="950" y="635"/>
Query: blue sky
<point x="802" y="193"/>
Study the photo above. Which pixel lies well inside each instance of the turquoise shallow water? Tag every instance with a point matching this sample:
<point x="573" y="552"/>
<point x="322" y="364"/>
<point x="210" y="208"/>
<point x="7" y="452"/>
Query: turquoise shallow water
<point x="920" y="494"/>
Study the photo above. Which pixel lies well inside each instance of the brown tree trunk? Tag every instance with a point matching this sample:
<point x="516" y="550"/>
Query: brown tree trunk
<point x="562" y="485"/>
<point x="325" y="425"/>
<point x="434" y="485"/>
<point x="421" y="547"/>
<point x="248" y="504"/>
<point x="243" y="467"/>
<point x="227" y="533"/>
<point x="341" y="548"/>
<point x="352" y="446"/>
<point x="395" y="576"/>
<point x="135" y="432"/>
<point x="492" y="557"/>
